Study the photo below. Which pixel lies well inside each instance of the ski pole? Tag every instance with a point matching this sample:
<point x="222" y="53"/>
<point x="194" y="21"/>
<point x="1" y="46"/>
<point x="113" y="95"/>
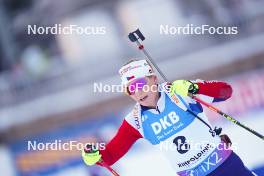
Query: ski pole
<point x="136" y="35"/>
<point x="109" y="168"/>
<point x="228" y="117"/>
<point x="89" y="149"/>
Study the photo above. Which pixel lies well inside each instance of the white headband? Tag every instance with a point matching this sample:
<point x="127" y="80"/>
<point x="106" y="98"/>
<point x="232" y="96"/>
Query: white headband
<point x="134" y="70"/>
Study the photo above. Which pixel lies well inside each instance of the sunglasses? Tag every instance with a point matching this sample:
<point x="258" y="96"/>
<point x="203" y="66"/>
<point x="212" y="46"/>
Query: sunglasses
<point x="136" y="85"/>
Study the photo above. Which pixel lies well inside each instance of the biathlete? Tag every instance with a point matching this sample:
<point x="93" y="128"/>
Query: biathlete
<point x="168" y="118"/>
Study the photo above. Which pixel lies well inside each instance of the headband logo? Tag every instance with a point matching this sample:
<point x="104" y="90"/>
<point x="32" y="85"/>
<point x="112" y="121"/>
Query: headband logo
<point x="130" y="77"/>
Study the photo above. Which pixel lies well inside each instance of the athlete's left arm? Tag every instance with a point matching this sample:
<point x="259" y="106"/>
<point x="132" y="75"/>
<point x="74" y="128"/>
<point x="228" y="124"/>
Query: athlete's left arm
<point x="219" y="91"/>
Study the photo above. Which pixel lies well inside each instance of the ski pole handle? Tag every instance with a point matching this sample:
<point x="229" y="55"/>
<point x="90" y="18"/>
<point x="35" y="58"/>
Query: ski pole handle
<point x="136" y="35"/>
<point x="228" y="117"/>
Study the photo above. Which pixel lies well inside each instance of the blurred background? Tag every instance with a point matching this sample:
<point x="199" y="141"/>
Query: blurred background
<point x="47" y="81"/>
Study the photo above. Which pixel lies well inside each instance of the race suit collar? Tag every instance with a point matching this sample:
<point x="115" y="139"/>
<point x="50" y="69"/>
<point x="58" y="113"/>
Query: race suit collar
<point x="159" y="107"/>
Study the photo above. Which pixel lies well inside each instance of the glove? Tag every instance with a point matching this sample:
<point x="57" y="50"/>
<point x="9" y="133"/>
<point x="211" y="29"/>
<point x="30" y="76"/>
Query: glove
<point x="90" y="157"/>
<point x="226" y="140"/>
<point x="183" y="88"/>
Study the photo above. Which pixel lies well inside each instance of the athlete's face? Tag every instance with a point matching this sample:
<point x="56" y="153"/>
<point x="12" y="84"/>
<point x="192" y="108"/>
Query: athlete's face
<point x="145" y="91"/>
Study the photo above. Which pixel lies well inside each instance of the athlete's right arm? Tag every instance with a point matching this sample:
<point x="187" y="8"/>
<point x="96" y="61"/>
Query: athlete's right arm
<point x="126" y="136"/>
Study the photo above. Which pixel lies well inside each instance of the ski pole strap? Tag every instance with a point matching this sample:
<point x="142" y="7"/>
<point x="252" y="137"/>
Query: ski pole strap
<point x="215" y="131"/>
